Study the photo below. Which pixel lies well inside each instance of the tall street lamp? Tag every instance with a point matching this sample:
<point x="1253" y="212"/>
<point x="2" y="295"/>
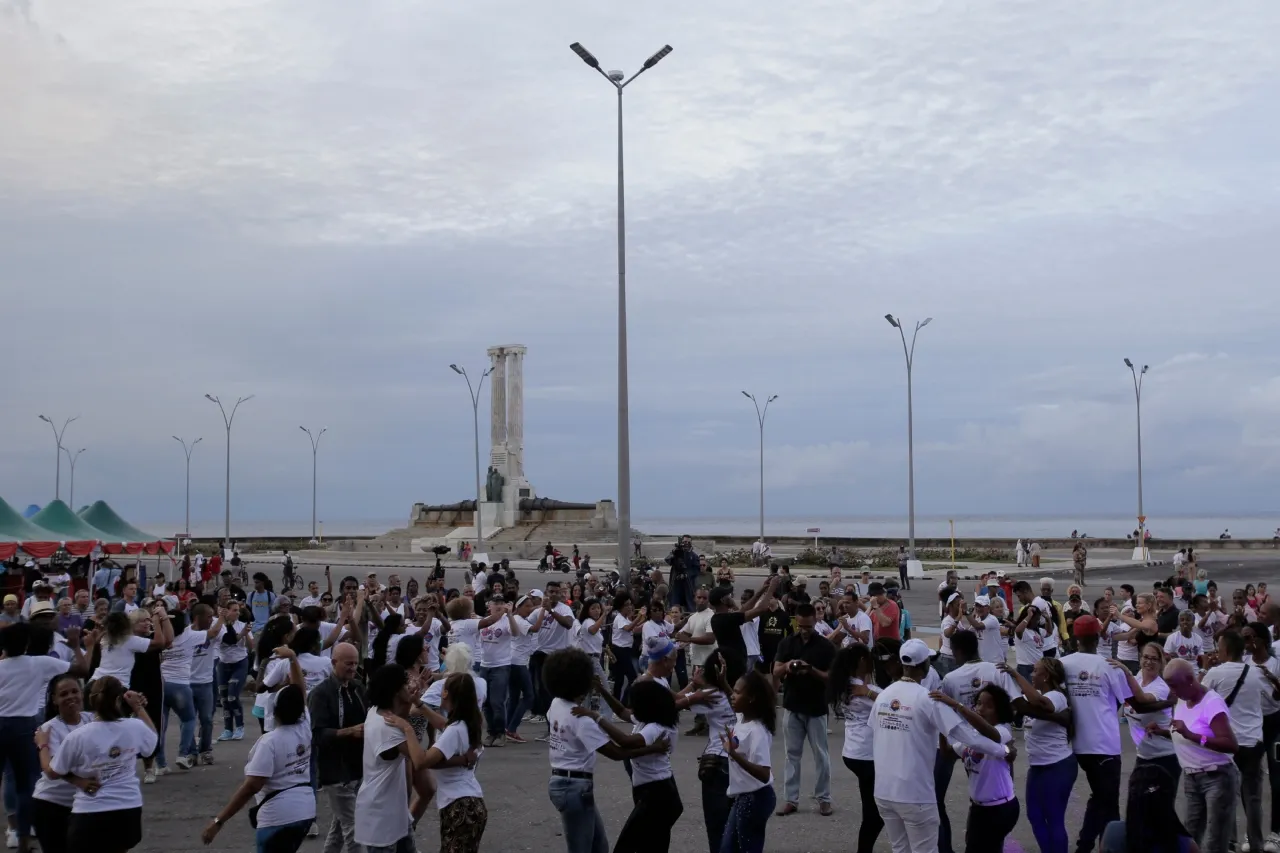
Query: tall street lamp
<point x="475" y="421"/>
<point x="910" y="353"/>
<point x="620" y="81"/>
<point x="1139" y="552"/>
<point x="760" y="413"/>
<point x="73" y="457"/>
<point x="187" y="451"/>
<point x="227" y="419"/>
<point x="315" y="446"/>
<point x="57" y="451"/>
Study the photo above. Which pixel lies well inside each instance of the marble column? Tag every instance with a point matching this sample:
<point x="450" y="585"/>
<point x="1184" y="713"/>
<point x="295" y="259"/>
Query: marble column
<point x="515" y="408"/>
<point x="498" y="397"/>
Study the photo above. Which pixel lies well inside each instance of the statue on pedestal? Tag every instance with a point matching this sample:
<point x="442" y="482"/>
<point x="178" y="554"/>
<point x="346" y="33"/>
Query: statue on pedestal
<point x="493" y="485"/>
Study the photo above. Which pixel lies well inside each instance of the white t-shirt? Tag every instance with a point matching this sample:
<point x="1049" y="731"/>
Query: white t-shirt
<point x="454" y="783"/>
<point x="720" y="718"/>
<point x="622" y="638"/>
<point x="755" y="745"/>
<point x="822" y="629"/>
<point x="315" y="669"/>
<point x="698" y="625"/>
<point x="203" y="657"/>
<point x="233" y="653"/>
<point x="652" y="768"/>
<point x="283" y="757"/>
<point x="858" y="743"/>
<point x="1269" y="704"/>
<point x="57" y="790"/>
<point x="1184" y="648"/>
<point x="1028" y="647"/>
<point x="651" y="629"/>
<point x="467" y="631"/>
<point x="1198" y="720"/>
<point x="373" y="630"/>
<point x="109" y="751"/>
<point x="1213" y="622"/>
<point x="964" y="682"/>
<point x="751" y="637"/>
<point x="275" y="673"/>
<point x="932" y="681"/>
<point x="860" y="622"/>
<point x="1148" y="746"/>
<point x="430" y="634"/>
<point x="309" y="601"/>
<point x="905" y="724"/>
<point x="592" y="644"/>
<point x="118" y="660"/>
<point x="992" y="647"/>
<point x="496" y="640"/>
<point x="1246" y="709"/>
<point x="325" y="629"/>
<point x="523" y="646"/>
<point x="1046" y="741"/>
<point x="990" y="779"/>
<point x="573" y="741"/>
<point x="435" y="692"/>
<point x="382" y="803"/>
<point x="944" y="643"/>
<point x="1097" y="688"/>
<point x="23" y="682"/>
<point x="552" y="636"/>
<point x="175" y="661"/>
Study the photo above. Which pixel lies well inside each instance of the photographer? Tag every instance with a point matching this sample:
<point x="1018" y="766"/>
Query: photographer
<point x="685" y="566"/>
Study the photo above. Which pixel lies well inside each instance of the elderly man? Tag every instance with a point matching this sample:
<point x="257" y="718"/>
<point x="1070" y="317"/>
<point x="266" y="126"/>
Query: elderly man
<point x="43" y="591"/>
<point x="338" y="707"/>
<point x="82" y="604"/>
<point x="1205" y="744"/>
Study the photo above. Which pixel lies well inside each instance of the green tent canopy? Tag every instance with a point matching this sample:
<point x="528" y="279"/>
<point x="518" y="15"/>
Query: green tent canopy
<point x="58" y="518"/>
<point x="35" y="539"/>
<point x="106" y="519"/>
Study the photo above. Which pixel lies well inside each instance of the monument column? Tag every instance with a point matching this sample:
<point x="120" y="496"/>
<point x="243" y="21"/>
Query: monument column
<point x="498" y="397"/>
<point x="515" y="409"/>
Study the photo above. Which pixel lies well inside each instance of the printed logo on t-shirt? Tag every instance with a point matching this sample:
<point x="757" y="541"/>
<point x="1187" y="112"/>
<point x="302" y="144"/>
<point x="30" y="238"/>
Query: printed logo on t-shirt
<point x="895" y="705"/>
<point x="301" y="749"/>
<point x="114" y="752"/>
<point x="975" y="682"/>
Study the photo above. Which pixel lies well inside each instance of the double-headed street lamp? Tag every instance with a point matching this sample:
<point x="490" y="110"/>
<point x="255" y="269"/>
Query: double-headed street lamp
<point x="475" y="421"/>
<point x="620" y="81"/>
<point x="57" y="452"/>
<point x="315" y="446"/>
<point x="1139" y="553"/>
<point x="910" y="353"/>
<point x="227" y="419"/>
<point x="187" y="451"/>
<point x="760" y="413"/>
<point x="71" y="499"/>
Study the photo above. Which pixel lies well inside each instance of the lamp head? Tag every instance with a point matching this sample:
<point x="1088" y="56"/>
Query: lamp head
<point x="1128" y="364"/>
<point x="211" y="398"/>
<point x="615" y="76"/>
<point x="304" y="429"/>
<point x="893" y="321"/>
<point x="456" y="369"/>
<point x="1144" y="368"/>
<point x="584" y="54"/>
<point x="774" y="397"/>
<point x="657" y="57"/>
<point x="748" y="396"/>
<point x="45" y="419"/>
<point x="927" y="321"/>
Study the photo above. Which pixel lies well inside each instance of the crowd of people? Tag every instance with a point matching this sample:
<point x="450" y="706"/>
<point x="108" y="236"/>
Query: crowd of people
<point x="381" y="698"/>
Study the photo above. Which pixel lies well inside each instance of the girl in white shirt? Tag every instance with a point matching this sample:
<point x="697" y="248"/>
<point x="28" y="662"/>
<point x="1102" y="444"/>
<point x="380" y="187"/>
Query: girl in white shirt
<point x="748" y="745"/>
<point x="590" y="638"/>
<point x="993" y="809"/>
<point x="52" y="798"/>
<point x="626" y="622"/>
<point x="119" y="645"/>
<point x="1053" y="767"/>
<point x="851" y="688"/>
<point x="709" y="695"/>
<point x="459" y="798"/>
<point x="233" y="649"/>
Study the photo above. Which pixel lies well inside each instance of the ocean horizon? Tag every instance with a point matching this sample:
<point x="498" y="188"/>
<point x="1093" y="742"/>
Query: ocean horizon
<point x="1257" y="526"/>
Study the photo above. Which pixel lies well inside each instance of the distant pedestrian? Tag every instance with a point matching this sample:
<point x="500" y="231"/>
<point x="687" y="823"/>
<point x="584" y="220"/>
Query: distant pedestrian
<point x="903" y="564"/>
<point x="1079" y="554"/>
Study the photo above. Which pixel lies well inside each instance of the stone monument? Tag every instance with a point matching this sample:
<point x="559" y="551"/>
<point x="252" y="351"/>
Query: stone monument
<point x="506" y="485"/>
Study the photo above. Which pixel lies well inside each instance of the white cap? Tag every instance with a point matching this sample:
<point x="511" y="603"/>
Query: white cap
<point x="952" y="597"/>
<point x="982" y="601"/>
<point x="914" y="652"/>
<point x="536" y="593"/>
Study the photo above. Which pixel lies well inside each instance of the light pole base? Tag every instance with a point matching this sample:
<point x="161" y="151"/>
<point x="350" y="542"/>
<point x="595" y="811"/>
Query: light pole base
<point x="1141" y="554"/>
<point x="915" y="569"/>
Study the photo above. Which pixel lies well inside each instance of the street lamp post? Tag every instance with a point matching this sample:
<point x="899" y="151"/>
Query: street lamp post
<point x="227" y="420"/>
<point x="71" y="499"/>
<point x="187" y="451"/>
<point x="57" y="452"/>
<point x="1140" y="551"/>
<point x="910" y="353"/>
<point x="475" y="422"/>
<point x="620" y="81"/>
<point x="315" y="446"/>
<point x="760" y="413"/>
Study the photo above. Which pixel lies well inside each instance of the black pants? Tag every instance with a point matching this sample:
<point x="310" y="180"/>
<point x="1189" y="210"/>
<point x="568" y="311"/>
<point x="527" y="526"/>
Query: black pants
<point x="623" y="673"/>
<point x="648" y="827"/>
<point x="872" y="823"/>
<point x="943" y="769"/>
<point x="541" y="698"/>
<point x="1270" y="736"/>
<point x="1103" y="773"/>
<point x="50" y="822"/>
<point x="1170" y="765"/>
<point x="989" y="825"/>
<point x="902" y="577"/>
<point x="716" y="802"/>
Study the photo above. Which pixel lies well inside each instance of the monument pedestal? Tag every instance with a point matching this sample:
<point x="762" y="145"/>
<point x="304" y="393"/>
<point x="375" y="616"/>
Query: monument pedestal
<point x="1141" y="554"/>
<point x="915" y="569"/>
<point x="491" y="520"/>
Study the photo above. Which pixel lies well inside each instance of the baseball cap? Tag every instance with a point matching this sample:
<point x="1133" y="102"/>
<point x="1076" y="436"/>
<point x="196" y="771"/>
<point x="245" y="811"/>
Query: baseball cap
<point x="914" y="652"/>
<point x="982" y="601"/>
<point x="952" y="597"/>
<point x="537" y="593"/>
<point x="1000" y="573"/>
<point x="41" y="608"/>
<point x="12" y="598"/>
<point x="1086" y="626"/>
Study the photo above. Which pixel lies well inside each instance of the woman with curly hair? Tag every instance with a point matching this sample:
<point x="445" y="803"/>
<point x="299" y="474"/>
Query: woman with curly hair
<point x="748" y="745"/>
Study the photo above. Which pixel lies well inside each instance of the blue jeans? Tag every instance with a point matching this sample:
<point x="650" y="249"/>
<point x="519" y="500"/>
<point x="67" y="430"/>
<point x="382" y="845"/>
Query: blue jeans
<point x="230" y="681"/>
<point x="744" y="833"/>
<point x="1211" y="806"/>
<point x="495" y="704"/>
<point x="286" y="838"/>
<point x="202" y="696"/>
<point x="583" y="827"/>
<point x="18" y="754"/>
<point x="799" y="728"/>
<point x="177" y="698"/>
<point x="1048" y="790"/>
<point x="519" y="696"/>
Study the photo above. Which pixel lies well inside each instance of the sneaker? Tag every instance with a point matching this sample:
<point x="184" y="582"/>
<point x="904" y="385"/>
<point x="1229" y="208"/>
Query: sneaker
<point x="162" y="771"/>
<point x="543" y="738"/>
<point x="498" y="741"/>
<point x="206" y="758"/>
<point x="149" y="778"/>
<point x="514" y="737"/>
<point x="185" y="762"/>
<point x="313" y="831"/>
<point x="11" y="839"/>
<point x="1272" y="844"/>
<point x="1245" y="847"/>
<point x="239" y="734"/>
<point x="227" y="734"/>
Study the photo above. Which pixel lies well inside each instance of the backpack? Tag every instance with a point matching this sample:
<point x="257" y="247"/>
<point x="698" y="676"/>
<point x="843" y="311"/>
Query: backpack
<point x="288" y="563"/>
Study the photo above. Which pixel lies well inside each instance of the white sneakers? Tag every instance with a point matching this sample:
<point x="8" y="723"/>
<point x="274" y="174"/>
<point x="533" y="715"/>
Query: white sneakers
<point x="185" y="762"/>
<point x="11" y="839"/>
<point x="1272" y="844"/>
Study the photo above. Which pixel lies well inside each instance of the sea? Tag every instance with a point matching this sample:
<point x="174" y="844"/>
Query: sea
<point x="1262" y="526"/>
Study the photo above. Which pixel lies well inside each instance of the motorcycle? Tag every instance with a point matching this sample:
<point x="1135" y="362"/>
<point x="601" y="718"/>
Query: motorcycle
<point x="557" y="561"/>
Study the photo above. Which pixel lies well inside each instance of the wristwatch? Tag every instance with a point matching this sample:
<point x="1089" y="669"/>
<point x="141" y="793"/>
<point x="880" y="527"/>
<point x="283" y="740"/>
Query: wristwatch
<point x="1204" y="739"/>
<point x="1007" y="750"/>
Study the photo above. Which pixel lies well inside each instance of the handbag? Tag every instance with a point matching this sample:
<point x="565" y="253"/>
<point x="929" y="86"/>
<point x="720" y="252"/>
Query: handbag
<point x="253" y="810"/>
<point x="709" y="764"/>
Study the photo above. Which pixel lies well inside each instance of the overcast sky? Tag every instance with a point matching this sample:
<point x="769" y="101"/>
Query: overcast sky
<point x="324" y="204"/>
